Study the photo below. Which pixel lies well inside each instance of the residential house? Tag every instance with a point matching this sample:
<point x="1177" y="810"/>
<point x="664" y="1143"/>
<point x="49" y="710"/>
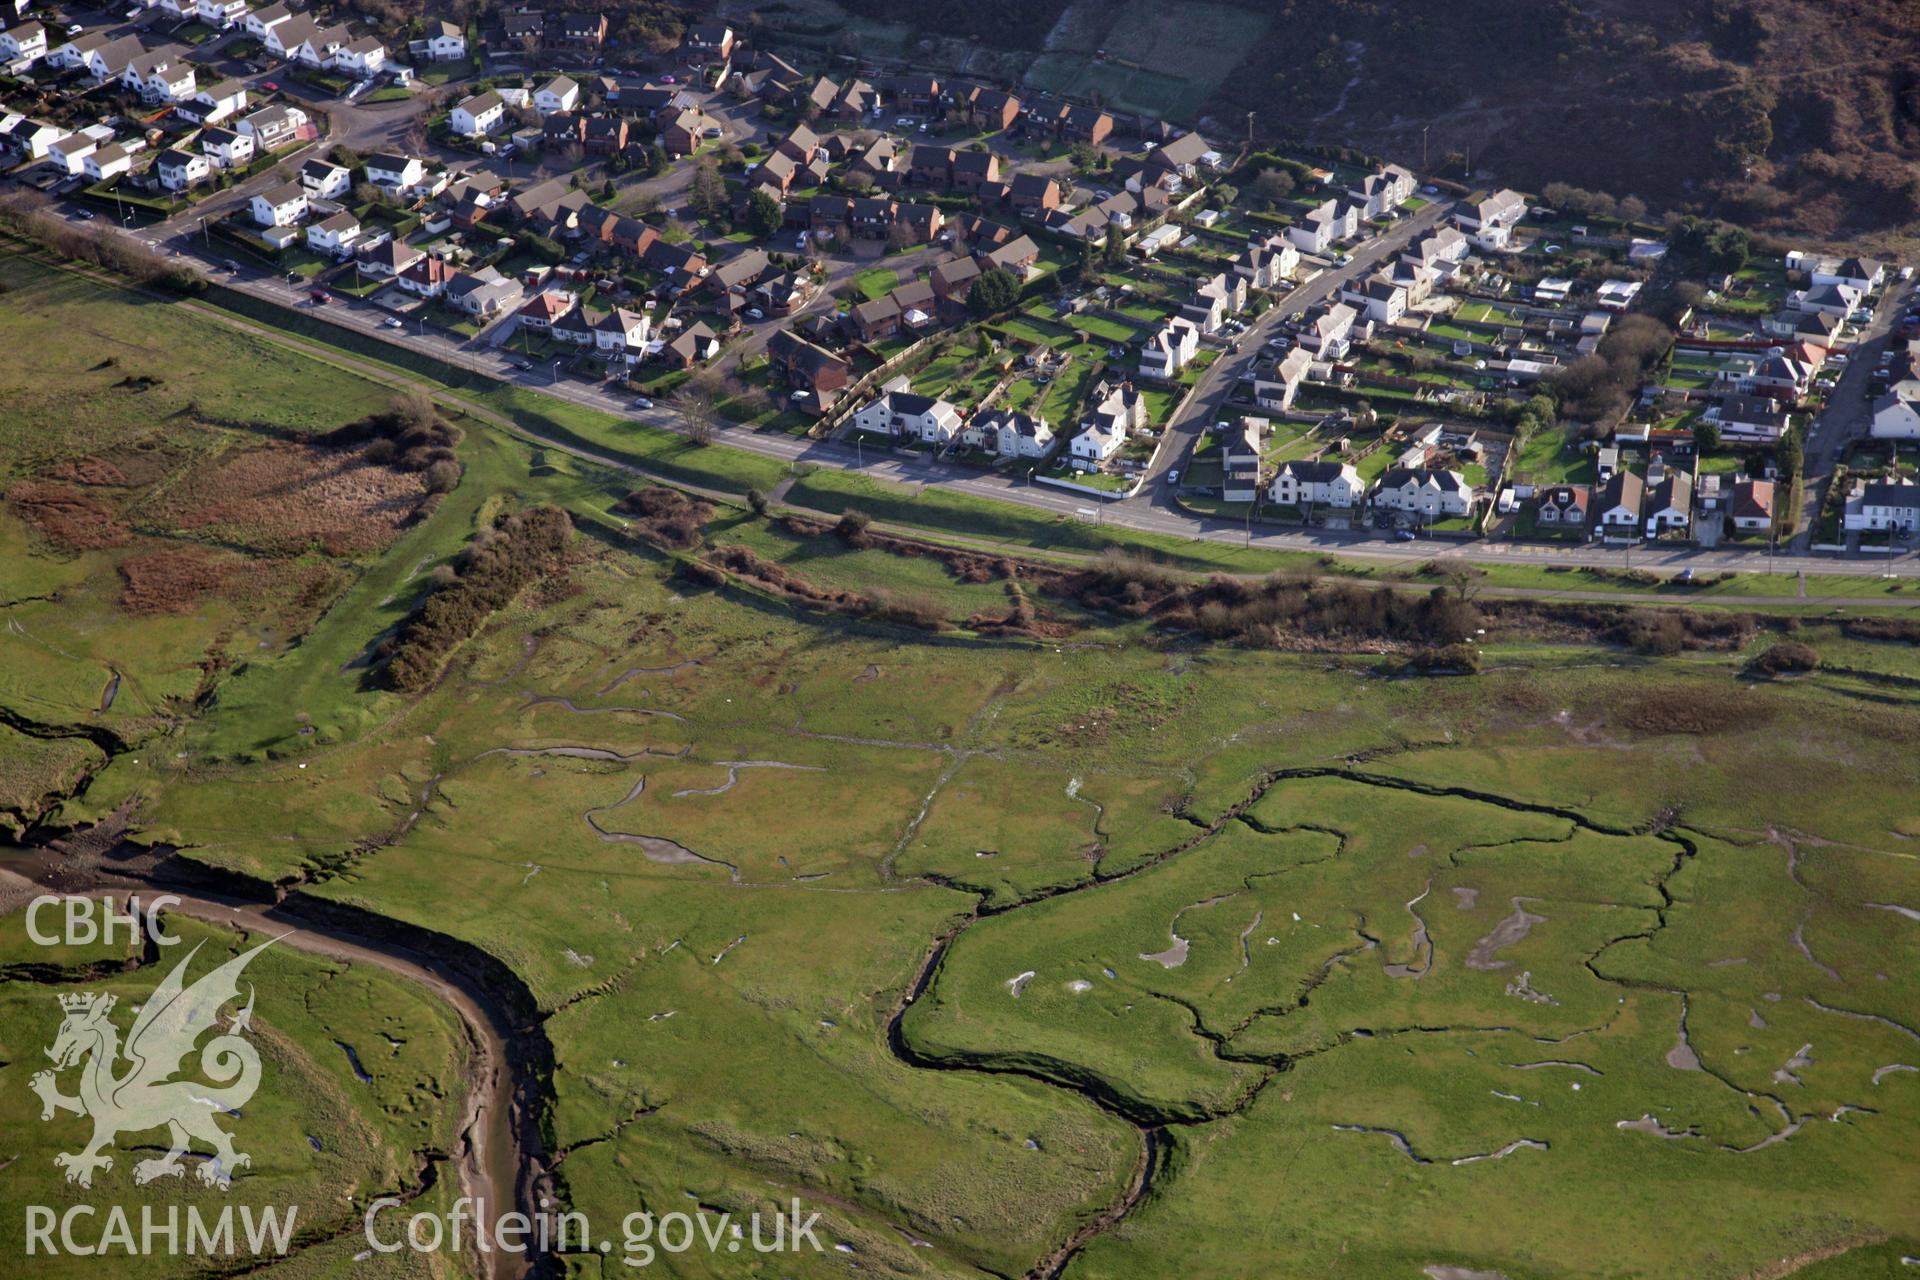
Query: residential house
<point x="162" y="76"/>
<point x="1748" y="419"/>
<point x="479" y="115"/>
<point x="362" y="58"/>
<point x="426" y="276"/>
<point x="540" y="312"/>
<point x="561" y="130"/>
<point x="870" y="218"/>
<point x="1803" y="326"/>
<point x="707" y="42"/>
<point x="931" y="166"/>
<point x="972" y="170"/>
<point x="1880" y="504"/>
<point x="1033" y="195"/>
<point x="75" y="50"/>
<point x="1010" y="434"/>
<point x="1619" y="503"/>
<point x="1837" y="300"/>
<point x="1378" y="298"/>
<point x="581" y="34"/>
<point x="445" y="42"/>
<point x="1317" y="228"/>
<point x="782" y="294"/>
<point x="69" y="154"/>
<point x="1751" y="505"/>
<point x="1240" y="460"/>
<point x="228" y="149"/>
<point x="1488" y="221"/>
<point x="681" y="133"/>
<point x="558" y="94"/>
<point x="281" y="206"/>
<point x="109" y="61"/>
<point x="1076" y="122"/>
<point x="807" y="367"/>
<point x="621" y="335"/>
<point x="1562" y="506"/>
<point x="273" y="127"/>
<point x="917" y="223"/>
<point x="285" y="39"/>
<point x="24" y="42"/>
<point x="324" y="180"/>
<point x="740" y="272"/>
<point x="106" y="162"/>
<point x="1168" y="350"/>
<point x="952" y="281"/>
<point x="181" y="170"/>
<point x="1328" y="331"/>
<point x="389" y="258"/>
<point x="1277" y="390"/>
<point x="1862" y="275"/>
<point x="916" y="93"/>
<point x="606" y="135"/>
<point x="216" y="104"/>
<point x="395" y="175"/>
<point x="1895" y="417"/>
<point x="1324" y="483"/>
<point x="1670" y="502"/>
<point x="1017" y="255"/>
<point x="1384" y="190"/>
<point x="1778" y="374"/>
<point x="1428" y="492"/>
<point x="876" y="320"/>
<point x="900" y="413"/>
<point x="334" y="235"/>
<point x="991" y="109"/>
<point x="483" y="293"/>
<point x="258" y="22"/>
<point x="1268" y="263"/>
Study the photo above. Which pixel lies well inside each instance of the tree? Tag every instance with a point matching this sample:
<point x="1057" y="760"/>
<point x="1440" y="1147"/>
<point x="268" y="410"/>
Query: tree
<point x="707" y="195"/>
<point x="757" y="500"/>
<point x="899" y="236"/>
<point x="1225" y="193"/>
<point x="856" y="182"/>
<point x="607" y="191"/>
<point x="1273" y="186"/>
<point x="764" y="215"/>
<point x="994" y="290"/>
<point x="1632" y="209"/>
<point x="1706" y="435"/>
<point x="1116" y="247"/>
<point x="695" y="404"/>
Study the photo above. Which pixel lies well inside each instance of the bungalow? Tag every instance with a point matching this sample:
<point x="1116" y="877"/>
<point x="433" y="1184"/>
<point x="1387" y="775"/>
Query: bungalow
<point x="389" y="258"/>
<point x="1319" y="484"/>
<point x="1017" y="255"/>
<point x="1895" y="418"/>
<point x="558" y="94"/>
<point x="1837" y="300"/>
<point x="1620" y="500"/>
<point x="1010" y="434"/>
<point x="230" y="150"/>
<point x="1168" y="350"/>
<point x="674" y="259"/>
<point x="483" y="293"/>
<point x="740" y="272"/>
<point x="273" y="127"/>
<point x="1278" y="390"/>
<point x="1751" y="505"/>
<point x="1755" y="419"/>
<point x="395" y="175"/>
<point x="1185" y="156"/>
<point x="73" y="52"/>
<point x="621" y="335"/>
<point x="1488" y="221"/>
<point x="575" y="323"/>
<point x="1424" y="491"/>
<point x="334" y="236"/>
<point x="1802" y="326"/>
<point x="180" y="170"/>
<point x="221" y="13"/>
<point x="479" y="115"/>
<point x="903" y="415"/>
<point x="109" y="61"/>
<point x="544" y="309"/>
<point x="1882" y="504"/>
<point x="426" y="276"/>
<point x="221" y="101"/>
<point x="1670" y="504"/>
<point x="1562" y="506"/>
<point x="107" y="162"/>
<point x="1863" y="275"/>
<point x="281" y="206"/>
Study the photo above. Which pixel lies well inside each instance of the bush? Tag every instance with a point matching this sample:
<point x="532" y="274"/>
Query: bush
<point x="1789" y="657"/>
<point x="853" y="524"/>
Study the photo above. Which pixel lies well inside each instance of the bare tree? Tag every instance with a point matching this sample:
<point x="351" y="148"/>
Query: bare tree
<point x="697" y="404"/>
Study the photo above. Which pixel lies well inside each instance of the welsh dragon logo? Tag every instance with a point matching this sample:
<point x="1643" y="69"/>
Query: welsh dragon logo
<point x="143" y="1093"/>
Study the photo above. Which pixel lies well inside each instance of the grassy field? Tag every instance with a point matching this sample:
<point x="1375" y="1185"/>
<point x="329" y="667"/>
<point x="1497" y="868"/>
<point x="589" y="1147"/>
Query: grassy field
<point x="941" y="933"/>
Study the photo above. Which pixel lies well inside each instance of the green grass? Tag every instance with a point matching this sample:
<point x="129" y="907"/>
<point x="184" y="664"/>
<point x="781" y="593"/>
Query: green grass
<point x="876" y="282"/>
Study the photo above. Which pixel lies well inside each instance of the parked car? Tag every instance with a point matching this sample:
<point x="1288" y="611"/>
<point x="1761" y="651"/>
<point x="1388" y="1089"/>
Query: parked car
<point x="1403" y="535"/>
<point x="393" y="322"/>
<point x="755" y="313"/>
<point x="83" y="215"/>
<point x="1173" y="476"/>
<point x="641" y="402"/>
<point x="319" y="297"/>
